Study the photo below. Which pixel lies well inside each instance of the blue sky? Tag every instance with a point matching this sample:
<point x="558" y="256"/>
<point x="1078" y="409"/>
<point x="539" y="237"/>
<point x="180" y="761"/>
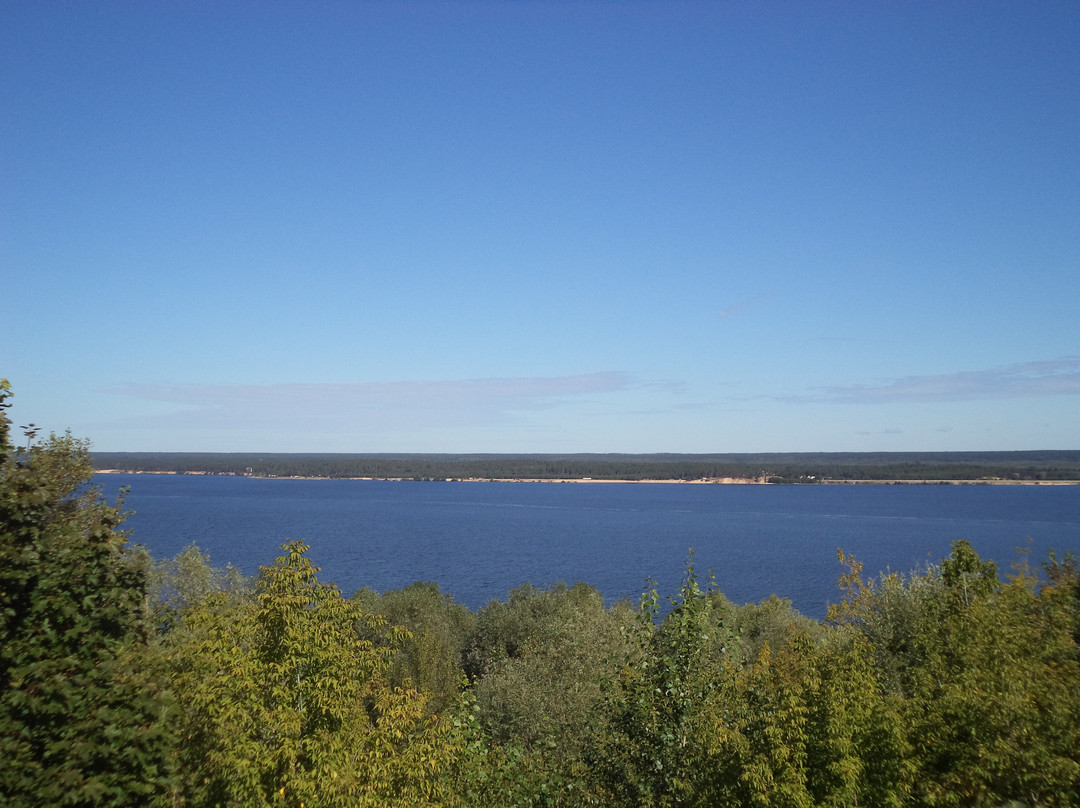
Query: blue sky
<point x="542" y="226"/>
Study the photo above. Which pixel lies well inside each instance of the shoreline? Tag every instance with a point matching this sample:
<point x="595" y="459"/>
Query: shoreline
<point x="710" y="481"/>
<point x="705" y="481"/>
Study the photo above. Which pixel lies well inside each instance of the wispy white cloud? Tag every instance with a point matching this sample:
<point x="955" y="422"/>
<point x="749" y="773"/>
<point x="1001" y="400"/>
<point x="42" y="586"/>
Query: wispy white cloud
<point x="1041" y="379"/>
<point x="391" y="404"/>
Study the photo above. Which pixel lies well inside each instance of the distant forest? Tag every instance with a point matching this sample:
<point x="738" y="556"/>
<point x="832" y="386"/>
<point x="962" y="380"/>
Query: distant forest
<point x="790" y="468"/>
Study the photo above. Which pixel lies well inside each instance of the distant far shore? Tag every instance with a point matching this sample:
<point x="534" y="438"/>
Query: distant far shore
<point x="704" y="481"/>
<point x="813" y="468"/>
<point x="717" y="481"/>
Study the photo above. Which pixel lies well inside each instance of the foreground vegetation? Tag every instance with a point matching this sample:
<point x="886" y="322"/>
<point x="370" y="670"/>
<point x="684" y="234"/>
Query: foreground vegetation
<point x="126" y="680"/>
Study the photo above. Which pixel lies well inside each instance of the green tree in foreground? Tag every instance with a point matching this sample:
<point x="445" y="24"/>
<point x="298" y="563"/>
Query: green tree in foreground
<point x="80" y="722"/>
<point x="996" y="703"/>
<point x="988" y="673"/>
<point x="661" y="721"/>
<point x="178" y="584"/>
<point x="697" y="721"/>
<point x="538" y="662"/>
<point x="286" y="702"/>
<point x="430" y="658"/>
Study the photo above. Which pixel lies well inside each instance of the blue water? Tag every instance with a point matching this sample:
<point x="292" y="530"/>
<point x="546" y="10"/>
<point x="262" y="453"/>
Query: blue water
<point x="480" y="540"/>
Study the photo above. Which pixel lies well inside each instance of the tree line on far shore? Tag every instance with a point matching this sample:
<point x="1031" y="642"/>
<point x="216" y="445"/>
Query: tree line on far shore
<point x="128" y="680"/>
<point x="795" y="468"/>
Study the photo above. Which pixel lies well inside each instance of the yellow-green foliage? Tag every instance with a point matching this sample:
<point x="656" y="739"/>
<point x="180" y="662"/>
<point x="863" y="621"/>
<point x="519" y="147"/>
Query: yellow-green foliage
<point x="995" y="703"/>
<point x="986" y="676"/>
<point x="286" y="704"/>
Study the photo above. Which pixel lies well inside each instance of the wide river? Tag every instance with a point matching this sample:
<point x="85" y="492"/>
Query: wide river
<point x="479" y="540"/>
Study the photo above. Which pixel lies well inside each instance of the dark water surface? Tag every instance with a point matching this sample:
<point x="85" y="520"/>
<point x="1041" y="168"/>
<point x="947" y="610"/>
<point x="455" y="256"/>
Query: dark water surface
<point x="480" y="540"/>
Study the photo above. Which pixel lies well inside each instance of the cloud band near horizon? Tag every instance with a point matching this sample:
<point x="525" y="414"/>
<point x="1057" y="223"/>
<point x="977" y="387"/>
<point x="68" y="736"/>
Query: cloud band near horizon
<point x="437" y="403"/>
<point x="441" y="404"/>
<point x="1038" y="379"/>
